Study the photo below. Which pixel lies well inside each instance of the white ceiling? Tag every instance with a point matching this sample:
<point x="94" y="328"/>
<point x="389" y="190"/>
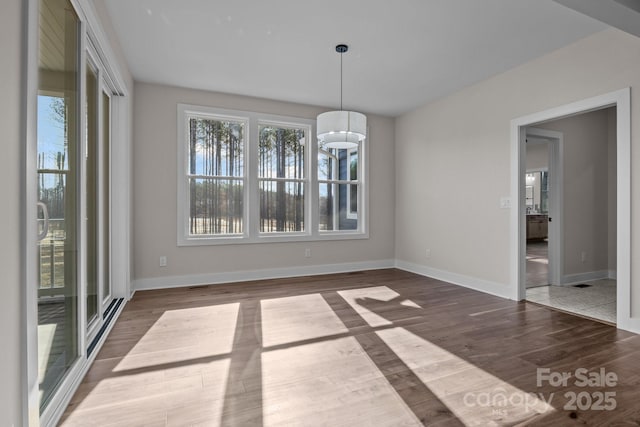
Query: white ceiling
<point x="403" y="53"/>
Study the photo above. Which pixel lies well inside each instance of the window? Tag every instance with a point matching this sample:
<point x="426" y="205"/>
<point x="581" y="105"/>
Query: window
<point x="338" y="183"/>
<point x="247" y="177"/>
<point x="281" y="177"/>
<point x="215" y="175"/>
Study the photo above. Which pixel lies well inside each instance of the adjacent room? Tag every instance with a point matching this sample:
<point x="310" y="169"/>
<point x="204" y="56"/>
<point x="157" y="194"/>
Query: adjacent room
<point x="578" y="274"/>
<point x="369" y="213"/>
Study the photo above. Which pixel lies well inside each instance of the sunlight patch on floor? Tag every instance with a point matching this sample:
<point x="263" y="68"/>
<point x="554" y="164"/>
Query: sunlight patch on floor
<point x="475" y="396"/>
<point x="182" y="392"/>
<point x="293" y="319"/>
<point x="165" y="342"/>
<point x="378" y="293"/>
<point x="334" y="379"/>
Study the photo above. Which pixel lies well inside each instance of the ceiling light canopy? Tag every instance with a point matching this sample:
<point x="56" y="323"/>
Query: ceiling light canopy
<point x="341" y="129"/>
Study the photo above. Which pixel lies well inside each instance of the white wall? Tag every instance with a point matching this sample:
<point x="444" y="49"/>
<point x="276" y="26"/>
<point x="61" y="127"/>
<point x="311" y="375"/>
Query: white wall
<point x="154" y="179"/>
<point x="537" y="156"/>
<point x="586" y="189"/>
<point x="453" y="158"/>
<point x="114" y="42"/>
<point x="11" y="356"/>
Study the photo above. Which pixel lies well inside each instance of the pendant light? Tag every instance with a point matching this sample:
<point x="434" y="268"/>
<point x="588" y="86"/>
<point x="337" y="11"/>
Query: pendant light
<point x="341" y="129"/>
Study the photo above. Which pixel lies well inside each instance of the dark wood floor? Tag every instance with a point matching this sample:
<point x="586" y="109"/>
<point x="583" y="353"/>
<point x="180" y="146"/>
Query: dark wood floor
<point x="374" y="348"/>
<point x="537" y="263"/>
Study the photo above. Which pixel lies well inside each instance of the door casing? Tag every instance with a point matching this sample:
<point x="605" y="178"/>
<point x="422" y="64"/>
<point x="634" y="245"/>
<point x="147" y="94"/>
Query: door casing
<point x="621" y="99"/>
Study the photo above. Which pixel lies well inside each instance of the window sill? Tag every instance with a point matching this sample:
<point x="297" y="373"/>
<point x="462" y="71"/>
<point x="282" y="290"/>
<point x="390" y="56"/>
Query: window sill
<point x="275" y="238"/>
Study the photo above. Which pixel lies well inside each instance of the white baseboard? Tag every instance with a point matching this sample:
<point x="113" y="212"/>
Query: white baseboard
<point x="573" y="279"/>
<point x="244" y="276"/>
<point x="481" y="285"/>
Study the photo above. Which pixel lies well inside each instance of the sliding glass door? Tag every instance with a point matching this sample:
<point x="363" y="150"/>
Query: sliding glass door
<point x="59" y="183"/>
<point x="73" y="173"/>
<point x="97" y="200"/>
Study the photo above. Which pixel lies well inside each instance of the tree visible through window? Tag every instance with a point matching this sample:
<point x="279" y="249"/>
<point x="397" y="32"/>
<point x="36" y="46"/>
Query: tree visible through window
<point x="216" y="176"/>
<point x="247" y="177"/>
<point x="281" y="174"/>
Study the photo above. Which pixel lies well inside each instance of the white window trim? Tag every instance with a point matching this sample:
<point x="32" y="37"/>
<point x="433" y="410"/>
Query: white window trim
<point x="251" y="214"/>
<point x="183" y="193"/>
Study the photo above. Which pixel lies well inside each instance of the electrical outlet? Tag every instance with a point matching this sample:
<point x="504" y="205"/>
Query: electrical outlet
<point x="307" y="253"/>
<point x="163" y="261"/>
<point x="427" y="253"/>
<point x="505" y="202"/>
<point x="583" y="256"/>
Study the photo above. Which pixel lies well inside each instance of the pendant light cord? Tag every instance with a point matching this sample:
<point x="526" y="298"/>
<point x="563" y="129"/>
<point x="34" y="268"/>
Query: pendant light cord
<point x="341" y="49"/>
<point x="341" y="53"/>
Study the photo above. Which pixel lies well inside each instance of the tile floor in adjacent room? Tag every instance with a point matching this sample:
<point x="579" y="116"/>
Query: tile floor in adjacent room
<point x="597" y="301"/>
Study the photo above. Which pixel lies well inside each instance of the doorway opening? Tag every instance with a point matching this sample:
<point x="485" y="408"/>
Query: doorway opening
<point x="584" y="177"/>
<point x="588" y="217"/>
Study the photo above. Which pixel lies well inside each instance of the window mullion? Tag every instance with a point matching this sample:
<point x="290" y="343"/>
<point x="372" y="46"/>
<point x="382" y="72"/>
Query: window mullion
<point x="252" y="204"/>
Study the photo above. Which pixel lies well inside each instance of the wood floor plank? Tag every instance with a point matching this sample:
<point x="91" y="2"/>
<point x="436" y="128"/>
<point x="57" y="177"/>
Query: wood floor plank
<point x="380" y="348"/>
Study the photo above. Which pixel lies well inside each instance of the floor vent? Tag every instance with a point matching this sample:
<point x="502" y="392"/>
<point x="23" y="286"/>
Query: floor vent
<point x="581" y="285"/>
